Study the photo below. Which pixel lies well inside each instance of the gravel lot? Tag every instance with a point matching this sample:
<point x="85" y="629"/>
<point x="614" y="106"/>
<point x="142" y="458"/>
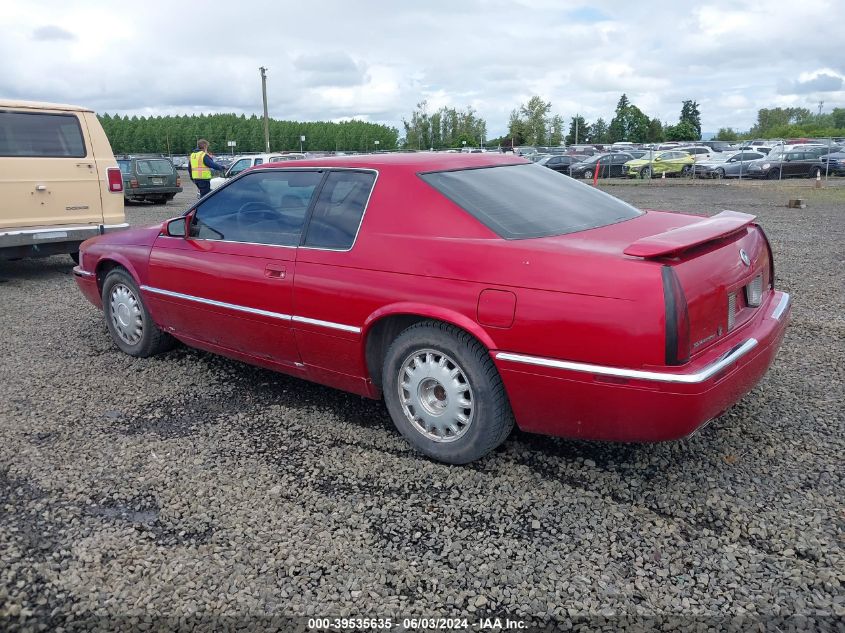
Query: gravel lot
<point x="190" y="484"/>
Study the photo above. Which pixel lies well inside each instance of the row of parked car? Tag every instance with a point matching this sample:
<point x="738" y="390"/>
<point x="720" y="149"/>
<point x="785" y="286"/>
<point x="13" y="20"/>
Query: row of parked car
<point x="702" y="161"/>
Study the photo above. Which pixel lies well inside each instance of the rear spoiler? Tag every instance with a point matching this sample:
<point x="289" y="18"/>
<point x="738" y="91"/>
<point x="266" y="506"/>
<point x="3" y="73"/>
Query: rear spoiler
<point x="686" y="237"/>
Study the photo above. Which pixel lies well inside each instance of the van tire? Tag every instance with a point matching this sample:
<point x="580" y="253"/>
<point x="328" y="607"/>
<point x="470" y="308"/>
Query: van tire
<point x="75" y="257"/>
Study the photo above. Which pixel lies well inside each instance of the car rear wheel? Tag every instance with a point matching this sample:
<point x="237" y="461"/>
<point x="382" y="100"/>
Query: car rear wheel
<point x="127" y="319"/>
<point x="645" y="173"/>
<point x="686" y="170"/>
<point x="816" y="172"/>
<point x="444" y="394"/>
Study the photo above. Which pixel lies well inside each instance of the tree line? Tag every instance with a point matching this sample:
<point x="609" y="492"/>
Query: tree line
<point x="790" y="123"/>
<point x="179" y="134"/>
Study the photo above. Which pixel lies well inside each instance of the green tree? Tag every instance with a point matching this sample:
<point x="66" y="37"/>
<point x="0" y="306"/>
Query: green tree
<point x="683" y="131"/>
<point x="727" y="134"/>
<point x="579" y="130"/>
<point x="599" y="132"/>
<point x="534" y="115"/>
<point x="655" y="132"/>
<point x="691" y="114"/>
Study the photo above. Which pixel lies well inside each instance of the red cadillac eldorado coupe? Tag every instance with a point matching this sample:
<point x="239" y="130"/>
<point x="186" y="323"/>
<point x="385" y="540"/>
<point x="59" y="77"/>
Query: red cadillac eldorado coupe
<point x="470" y="291"/>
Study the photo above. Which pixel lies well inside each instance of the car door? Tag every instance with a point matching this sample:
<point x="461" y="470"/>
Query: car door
<point x="794" y="164"/>
<point x="228" y="284"/>
<point x="328" y="277"/>
<point x="617" y="165"/>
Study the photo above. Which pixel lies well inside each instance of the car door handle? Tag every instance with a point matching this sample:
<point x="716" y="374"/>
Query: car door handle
<point x="274" y="271"/>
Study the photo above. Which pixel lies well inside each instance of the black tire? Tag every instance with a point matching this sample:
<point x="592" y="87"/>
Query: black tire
<point x="686" y="170"/>
<point x="645" y="173"/>
<point x="719" y="173"/>
<point x="815" y="172"/>
<point x="588" y="175"/>
<point x="74" y="257"/>
<point x="490" y="420"/>
<point x="150" y="340"/>
<point x="159" y="199"/>
<point x="169" y="197"/>
<point x="773" y="174"/>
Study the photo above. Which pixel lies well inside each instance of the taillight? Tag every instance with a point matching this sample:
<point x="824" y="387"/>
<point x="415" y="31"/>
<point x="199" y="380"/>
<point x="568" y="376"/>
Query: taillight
<point x="754" y="292"/>
<point x="677" y="319"/>
<point x="115" y="179"/>
<point x="771" y="258"/>
<point x="133" y="183"/>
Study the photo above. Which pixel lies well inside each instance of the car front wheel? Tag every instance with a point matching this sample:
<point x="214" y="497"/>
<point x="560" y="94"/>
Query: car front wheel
<point x="588" y="175"/>
<point x="127" y="319"/>
<point x="645" y="173"/>
<point x="444" y="394"/>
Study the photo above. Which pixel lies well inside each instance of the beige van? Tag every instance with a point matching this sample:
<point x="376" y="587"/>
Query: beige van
<point x="59" y="181"/>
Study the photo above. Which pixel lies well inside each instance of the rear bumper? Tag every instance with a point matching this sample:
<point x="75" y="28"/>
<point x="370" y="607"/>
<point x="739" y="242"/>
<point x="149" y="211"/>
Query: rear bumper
<point x="32" y="241"/>
<point x="140" y="192"/>
<point x="585" y="401"/>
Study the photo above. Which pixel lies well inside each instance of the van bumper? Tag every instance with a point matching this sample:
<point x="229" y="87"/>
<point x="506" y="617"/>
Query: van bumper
<point x="51" y="240"/>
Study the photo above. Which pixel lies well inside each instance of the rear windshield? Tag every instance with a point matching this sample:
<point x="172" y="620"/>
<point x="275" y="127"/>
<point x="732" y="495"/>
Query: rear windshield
<point x="125" y="166"/>
<point x="154" y="167"/>
<point x="525" y="201"/>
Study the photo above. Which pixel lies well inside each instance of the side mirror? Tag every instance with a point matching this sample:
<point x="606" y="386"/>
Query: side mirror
<point x="176" y="227"/>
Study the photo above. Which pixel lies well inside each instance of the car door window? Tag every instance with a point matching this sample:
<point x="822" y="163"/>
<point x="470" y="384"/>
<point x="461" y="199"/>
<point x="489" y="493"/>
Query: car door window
<point x="239" y="166"/>
<point x="339" y="209"/>
<point x="259" y="161"/>
<point x="265" y="207"/>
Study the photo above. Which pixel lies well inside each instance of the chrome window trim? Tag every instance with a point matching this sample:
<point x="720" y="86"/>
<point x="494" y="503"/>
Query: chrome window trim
<point x="219" y="304"/>
<point x="710" y="370"/>
<point x="328" y="324"/>
<point x="781" y="307"/>
<point x="239" y="308"/>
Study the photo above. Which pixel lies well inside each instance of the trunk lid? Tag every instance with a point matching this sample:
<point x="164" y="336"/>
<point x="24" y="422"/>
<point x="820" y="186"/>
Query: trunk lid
<point x="724" y="271"/>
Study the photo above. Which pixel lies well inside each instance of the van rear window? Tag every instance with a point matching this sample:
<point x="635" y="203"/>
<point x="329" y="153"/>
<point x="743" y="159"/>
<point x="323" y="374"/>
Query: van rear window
<point x="525" y="201"/>
<point x="41" y="134"/>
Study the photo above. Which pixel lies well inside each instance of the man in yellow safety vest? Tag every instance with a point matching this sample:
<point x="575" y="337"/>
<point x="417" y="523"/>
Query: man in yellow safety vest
<point x="201" y="164"/>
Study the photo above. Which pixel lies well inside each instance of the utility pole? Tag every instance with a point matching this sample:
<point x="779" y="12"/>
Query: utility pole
<point x="576" y="128"/>
<point x="821" y="103"/>
<point x="266" y="120"/>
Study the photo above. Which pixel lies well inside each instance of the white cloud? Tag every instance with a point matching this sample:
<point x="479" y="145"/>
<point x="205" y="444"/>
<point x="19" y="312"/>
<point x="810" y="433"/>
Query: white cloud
<point x="376" y="59"/>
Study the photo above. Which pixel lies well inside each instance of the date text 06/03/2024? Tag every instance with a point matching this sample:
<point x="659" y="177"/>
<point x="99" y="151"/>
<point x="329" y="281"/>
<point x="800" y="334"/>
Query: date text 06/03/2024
<point x="411" y="624"/>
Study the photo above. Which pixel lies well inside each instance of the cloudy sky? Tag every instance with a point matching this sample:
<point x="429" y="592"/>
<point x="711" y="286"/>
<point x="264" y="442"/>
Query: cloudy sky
<point x="375" y="59"/>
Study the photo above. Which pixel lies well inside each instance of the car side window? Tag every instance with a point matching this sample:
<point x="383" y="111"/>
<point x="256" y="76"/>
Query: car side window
<point x="265" y="207"/>
<point x="339" y="209"/>
<point x="259" y="161"/>
<point x="239" y="166"/>
<point x="40" y="134"/>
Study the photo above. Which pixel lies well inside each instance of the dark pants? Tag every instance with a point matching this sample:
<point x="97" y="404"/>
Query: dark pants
<point x="204" y="186"/>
